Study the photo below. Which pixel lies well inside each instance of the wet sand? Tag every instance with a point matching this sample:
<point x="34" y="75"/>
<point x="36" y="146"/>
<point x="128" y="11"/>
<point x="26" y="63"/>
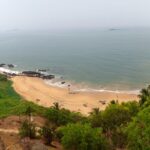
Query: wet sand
<point x="36" y="90"/>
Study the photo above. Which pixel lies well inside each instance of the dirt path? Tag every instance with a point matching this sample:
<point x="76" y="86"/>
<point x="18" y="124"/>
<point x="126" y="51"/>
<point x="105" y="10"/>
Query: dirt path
<point x="9" y="130"/>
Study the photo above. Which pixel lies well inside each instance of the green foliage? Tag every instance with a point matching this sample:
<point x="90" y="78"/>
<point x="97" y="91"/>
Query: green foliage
<point x="112" y="117"/>
<point x="62" y="116"/>
<point x="144" y="95"/>
<point x="138" y="131"/>
<point x="83" y="137"/>
<point x="119" y="138"/>
<point x="27" y="129"/>
<point x="3" y="77"/>
<point x="19" y="107"/>
<point x="47" y="134"/>
<point x="84" y="133"/>
<point x="7" y="91"/>
<point x="133" y="107"/>
<point x="95" y="111"/>
<point x="12" y="104"/>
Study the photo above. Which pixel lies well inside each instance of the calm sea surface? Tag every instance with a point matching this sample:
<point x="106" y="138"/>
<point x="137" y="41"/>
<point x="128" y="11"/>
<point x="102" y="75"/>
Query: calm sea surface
<point x="111" y="59"/>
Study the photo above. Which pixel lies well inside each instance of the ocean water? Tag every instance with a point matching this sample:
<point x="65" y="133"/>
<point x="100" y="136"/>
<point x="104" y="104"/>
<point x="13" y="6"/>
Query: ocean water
<point x="99" y="58"/>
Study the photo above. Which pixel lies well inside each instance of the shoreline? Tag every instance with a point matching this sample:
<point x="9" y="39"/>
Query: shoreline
<point x="81" y="88"/>
<point x="36" y="90"/>
<point x="56" y="81"/>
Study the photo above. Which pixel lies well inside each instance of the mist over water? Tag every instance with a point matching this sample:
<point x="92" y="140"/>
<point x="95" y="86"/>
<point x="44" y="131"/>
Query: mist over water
<point x="102" y="58"/>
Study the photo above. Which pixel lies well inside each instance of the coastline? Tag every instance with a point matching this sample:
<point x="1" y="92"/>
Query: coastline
<point x="36" y="90"/>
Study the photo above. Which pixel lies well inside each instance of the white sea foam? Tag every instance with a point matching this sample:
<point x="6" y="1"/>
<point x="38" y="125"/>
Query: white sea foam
<point x="110" y="91"/>
<point x="74" y="88"/>
<point x="5" y="70"/>
<point x="57" y="82"/>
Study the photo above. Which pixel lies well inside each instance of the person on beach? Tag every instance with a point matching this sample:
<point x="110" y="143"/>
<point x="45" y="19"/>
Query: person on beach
<point x="69" y="88"/>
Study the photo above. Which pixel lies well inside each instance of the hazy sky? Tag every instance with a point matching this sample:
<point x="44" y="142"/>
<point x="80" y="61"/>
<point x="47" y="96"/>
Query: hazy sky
<point x="49" y="14"/>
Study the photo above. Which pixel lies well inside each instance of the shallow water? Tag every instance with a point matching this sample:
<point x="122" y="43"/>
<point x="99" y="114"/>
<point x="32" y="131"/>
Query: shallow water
<point x="100" y="59"/>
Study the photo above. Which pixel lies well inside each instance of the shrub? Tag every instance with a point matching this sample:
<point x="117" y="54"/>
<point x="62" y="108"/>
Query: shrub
<point x="144" y="95"/>
<point x="62" y="116"/>
<point x="119" y="138"/>
<point x="133" y="107"/>
<point x="3" y="77"/>
<point x="138" y="131"/>
<point x="27" y="130"/>
<point x="114" y="116"/>
<point x="47" y="134"/>
<point x="111" y="118"/>
<point x="82" y="137"/>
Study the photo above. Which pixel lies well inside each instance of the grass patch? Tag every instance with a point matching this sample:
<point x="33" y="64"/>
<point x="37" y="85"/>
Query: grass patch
<point x="12" y="104"/>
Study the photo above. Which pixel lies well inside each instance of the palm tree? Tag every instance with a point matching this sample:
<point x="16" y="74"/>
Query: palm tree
<point x="28" y="112"/>
<point x="56" y="106"/>
<point x="144" y="95"/>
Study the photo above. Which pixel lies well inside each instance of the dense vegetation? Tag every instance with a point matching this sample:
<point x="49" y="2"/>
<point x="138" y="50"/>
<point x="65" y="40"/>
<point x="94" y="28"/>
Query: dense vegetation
<point x="119" y="126"/>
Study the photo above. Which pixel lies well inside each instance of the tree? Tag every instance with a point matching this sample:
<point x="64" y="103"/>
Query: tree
<point x="61" y="116"/>
<point x="95" y="118"/>
<point x="83" y="137"/>
<point x="112" y="117"/>
<point x="56" y="106"/>
<point x="28" y="112"/>
<point x="47" y="134"/>
<point x="27" y="129"/>
<point x="119" y="138"/>
<point x="144" y="95"/>
<point x="138" y="131"/>
<point x="133" y="107"/>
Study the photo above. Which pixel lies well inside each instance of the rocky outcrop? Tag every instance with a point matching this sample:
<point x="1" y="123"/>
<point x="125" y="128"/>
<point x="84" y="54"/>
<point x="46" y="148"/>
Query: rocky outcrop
<point x="48" y="77"/>
<point x="11" y="65"/>
<point x="31" y="73"/>
<point x="37" y="74"/>
<point x="7" y="65"/>
<point x="2" y="65"/>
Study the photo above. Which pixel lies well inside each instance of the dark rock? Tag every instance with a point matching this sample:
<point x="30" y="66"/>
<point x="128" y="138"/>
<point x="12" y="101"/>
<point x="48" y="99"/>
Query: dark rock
<point x="48" y="77"/>
<point x="2" y="65"/>
<point x="32" y="73"/>
<point x="10" y="74"/>
<point x="85" y="105"/>
<point x="10" y="65"/>
<point x="102" y="102"/>
<point x="63" y="82"/>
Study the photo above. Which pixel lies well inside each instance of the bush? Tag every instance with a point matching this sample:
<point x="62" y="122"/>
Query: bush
<point x="82" y="137"/>
<point x="111" y="118"/>
<point x="114" y="116"/>
<point x="62" y="116"/>
<point x="133" y="107"/>
<point x="144" y="95"/>
<point x="119" y="138"/>
<point x="3" y="77"/>
<point x="138" y="131"/>
<point x="47" y="134"/>
<point x="27" y="130"/>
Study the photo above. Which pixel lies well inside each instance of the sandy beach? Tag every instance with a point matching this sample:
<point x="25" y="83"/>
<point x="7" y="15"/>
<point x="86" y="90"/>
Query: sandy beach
<point x="36" y="90"/>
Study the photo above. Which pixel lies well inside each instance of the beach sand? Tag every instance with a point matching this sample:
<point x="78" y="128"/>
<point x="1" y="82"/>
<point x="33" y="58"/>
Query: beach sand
<point x="36" y="90"/>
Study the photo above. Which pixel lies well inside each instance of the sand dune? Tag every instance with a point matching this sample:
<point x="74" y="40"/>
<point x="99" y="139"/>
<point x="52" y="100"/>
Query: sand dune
<point x="35" y="90"/>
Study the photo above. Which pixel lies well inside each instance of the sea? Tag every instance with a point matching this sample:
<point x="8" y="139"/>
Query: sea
<point x="112" y="59"/>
